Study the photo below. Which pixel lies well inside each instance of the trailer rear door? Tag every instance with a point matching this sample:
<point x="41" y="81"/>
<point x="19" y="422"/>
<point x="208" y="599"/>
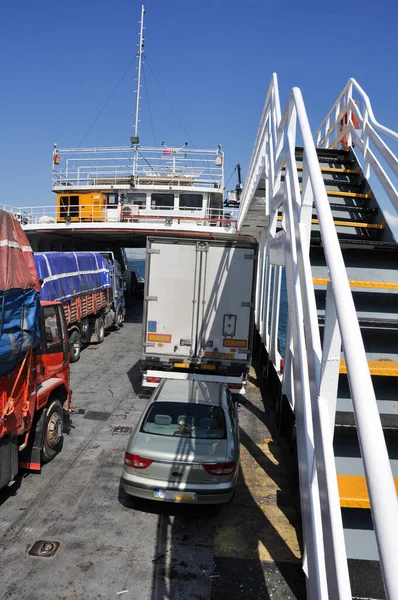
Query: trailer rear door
<point x="171" y="307"/>
<point x="226" y="302"/>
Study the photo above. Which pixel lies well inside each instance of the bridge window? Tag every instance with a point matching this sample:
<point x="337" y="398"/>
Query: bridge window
<point x="162" y="201"/>
<point x="69" y="206"/>
<point x="136" y="199"/>
<point x="113" y="200"/>
<point x="191" y="201"/>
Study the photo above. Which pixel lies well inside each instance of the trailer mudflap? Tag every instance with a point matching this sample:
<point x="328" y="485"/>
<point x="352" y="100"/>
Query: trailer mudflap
<point x="8" y="459"/>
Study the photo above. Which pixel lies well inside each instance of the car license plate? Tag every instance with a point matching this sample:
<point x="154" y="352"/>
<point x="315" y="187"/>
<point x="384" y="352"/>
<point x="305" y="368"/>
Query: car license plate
<point x="176" y="496"/>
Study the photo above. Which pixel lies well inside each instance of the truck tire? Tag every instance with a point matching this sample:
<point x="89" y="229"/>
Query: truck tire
<point x="75" y="346"/>
<point x="53" y="431"/>
<point x="100" y="327"/>
<point x="119" y="320"/>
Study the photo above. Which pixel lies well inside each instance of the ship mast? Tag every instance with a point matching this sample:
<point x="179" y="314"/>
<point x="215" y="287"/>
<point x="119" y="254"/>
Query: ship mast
<point x="140" y="55"/>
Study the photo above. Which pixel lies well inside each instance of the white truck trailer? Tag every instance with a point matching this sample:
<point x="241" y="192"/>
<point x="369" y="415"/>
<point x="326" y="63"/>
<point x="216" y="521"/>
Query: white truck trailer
<point x="198" y="308"/>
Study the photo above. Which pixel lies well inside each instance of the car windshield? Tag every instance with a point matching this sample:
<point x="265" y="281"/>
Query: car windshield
<point x="181" y="419"/>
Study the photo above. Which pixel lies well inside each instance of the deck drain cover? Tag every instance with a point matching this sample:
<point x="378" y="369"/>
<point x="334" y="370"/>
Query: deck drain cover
<point x="121" y="429"/>
<point x="97" y="415"/>
<point x="44" y="548"/>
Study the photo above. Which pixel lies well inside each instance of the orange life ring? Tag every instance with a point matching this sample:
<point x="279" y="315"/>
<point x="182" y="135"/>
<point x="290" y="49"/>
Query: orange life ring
<point x="343" y="123"/>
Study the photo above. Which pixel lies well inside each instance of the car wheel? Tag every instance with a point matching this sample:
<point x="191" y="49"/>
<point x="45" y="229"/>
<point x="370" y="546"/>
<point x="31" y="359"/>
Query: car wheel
<point x="75" y="346"/>
<point x="53" y="431"/>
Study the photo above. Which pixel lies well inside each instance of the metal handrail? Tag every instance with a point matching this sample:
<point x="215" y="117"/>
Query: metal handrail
<point x="310" y="370"/>
<point x="339" y="127"/>
<point x="74" y="167"/>
<point x="125" y="213"/>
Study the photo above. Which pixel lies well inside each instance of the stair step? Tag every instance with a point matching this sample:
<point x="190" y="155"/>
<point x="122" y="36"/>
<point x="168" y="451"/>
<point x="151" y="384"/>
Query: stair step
<point x="367" y="196"/>
<point x="369" y="285"/>
<point x="347" y="419"/>
<point x="357" y="209"/>
<point x="353" y="490"/>
<point x="349" y="194"/>
<point x="326" y="153"/>
<point x="356" y="224"/>
<point x="348" y="241"/>
<point x="333" y="183"/>
<point x="335" y="170"/>
<point x="376" y="321"/>
<point x="383" y="368"/>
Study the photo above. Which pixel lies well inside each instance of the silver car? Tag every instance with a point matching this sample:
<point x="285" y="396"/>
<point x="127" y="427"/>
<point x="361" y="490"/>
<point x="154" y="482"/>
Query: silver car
<point x="185" y="447"/>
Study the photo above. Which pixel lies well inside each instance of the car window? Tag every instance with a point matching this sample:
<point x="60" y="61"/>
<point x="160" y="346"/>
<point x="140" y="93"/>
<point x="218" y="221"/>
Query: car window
<point x="180" y="419"/>
<point x="51" y="324"/>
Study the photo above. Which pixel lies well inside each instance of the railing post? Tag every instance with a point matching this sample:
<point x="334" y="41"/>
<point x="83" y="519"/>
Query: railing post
<point x="336" y="120"/>
<point x="365" y="136"/>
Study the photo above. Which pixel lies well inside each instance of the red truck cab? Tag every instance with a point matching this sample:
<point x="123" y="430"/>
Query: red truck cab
<point x="34" y="399"/>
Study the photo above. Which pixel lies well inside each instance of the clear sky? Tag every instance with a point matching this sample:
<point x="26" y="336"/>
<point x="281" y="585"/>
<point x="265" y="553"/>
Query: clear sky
<point x="60" y="61"/>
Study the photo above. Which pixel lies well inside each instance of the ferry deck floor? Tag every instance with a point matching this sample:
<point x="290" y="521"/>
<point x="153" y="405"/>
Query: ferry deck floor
<point x="112" y="546"/>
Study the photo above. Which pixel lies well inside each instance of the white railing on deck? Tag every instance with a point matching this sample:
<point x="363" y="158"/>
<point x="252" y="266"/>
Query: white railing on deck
<point x="88" y="167"/>
<point x="127" y="213"/>
<point x="310" y="370"/>
<point x="351" y="122"/>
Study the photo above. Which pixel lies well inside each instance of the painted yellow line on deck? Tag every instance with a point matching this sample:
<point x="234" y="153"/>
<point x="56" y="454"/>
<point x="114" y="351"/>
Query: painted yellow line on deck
<point x="354" y="492"/>
<point x="254" y="527"/>
<point x="355" y="283"/>
<point x="385" y="368"/>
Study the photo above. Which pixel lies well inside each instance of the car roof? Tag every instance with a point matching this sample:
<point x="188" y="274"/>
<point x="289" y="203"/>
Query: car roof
<point x="195" y="392"/>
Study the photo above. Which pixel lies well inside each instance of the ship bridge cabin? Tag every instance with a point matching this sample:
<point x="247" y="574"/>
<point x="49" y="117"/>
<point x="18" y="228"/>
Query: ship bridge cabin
<point x="139" y="185"/>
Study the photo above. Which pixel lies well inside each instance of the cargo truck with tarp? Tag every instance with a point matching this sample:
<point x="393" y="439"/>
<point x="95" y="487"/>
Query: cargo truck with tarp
<point x="34" y="360"/>
<point x="91" y="288"/>
<point x="199" y="308"/>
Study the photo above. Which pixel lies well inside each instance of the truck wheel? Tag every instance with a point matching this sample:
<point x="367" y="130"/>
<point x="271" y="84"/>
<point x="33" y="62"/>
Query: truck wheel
<point x="119" y="320"/>
<point x="75" y="346"/>
<point x="53" y="430"/>
<point x="100" y="330"/>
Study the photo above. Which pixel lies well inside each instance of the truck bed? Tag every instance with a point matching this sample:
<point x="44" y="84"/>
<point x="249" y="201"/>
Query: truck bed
<point x="83" y="306"/>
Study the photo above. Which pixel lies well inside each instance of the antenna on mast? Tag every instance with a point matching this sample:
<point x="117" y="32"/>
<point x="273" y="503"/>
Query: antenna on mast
<point x="135" y="138"/>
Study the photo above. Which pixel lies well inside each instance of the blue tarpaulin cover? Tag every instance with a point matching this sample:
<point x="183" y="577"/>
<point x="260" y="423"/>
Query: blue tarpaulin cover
<point x="20" y="310"/>
<point x="19" y="294"/>
<point x="66" y="275"/>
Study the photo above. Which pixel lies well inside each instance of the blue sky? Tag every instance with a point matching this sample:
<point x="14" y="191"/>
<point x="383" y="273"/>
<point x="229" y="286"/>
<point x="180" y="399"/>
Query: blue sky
<point x="60" y="61"/>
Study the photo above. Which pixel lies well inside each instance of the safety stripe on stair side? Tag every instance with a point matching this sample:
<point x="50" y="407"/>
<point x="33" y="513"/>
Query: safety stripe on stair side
<point x="355" y="283"/>
<point x="353" y="491"/>
<point x="385" y="368"/>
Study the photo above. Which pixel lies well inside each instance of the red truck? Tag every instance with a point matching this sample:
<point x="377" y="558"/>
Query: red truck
<point x="34" y="361"/>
